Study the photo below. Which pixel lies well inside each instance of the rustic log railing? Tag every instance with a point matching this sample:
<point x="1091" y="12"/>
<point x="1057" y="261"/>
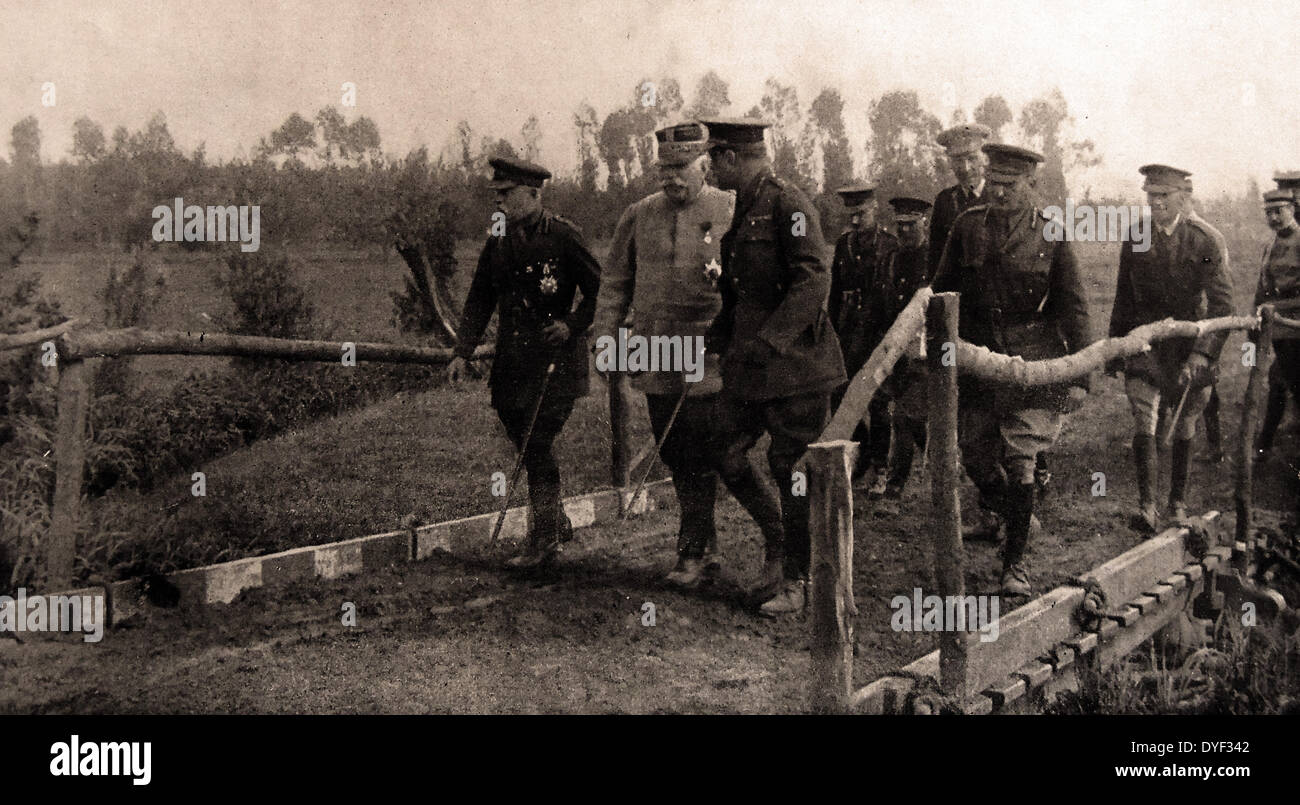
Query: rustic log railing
<point x="829" y="465"/>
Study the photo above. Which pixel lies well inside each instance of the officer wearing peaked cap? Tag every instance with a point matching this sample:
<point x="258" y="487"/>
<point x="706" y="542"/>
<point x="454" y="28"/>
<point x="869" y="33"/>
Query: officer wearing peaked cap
<point x="663" y="271"/>
<point x="1021" y="294"/>
<point x="1183" y="276"/>
<point x="907" y="271"/>
<point x="962" y="145"/>
<point x="1288" y="181"/>
<point x="531" y="275"/>
<point x="1279" y="284"/>
<point x="856" y="308"/>
<point x="780" y="356"/>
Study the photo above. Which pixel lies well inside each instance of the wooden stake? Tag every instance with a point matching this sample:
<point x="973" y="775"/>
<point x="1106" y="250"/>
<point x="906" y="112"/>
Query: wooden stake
<point x="70" y="462"/>
<point x="941" y="339"/>
<point x="1256" y="393"/>
<point x="831" y="608"/>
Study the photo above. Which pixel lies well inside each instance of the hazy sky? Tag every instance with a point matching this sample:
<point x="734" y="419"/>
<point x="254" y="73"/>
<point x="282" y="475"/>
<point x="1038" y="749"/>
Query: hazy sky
<point x="1211" y="87"/>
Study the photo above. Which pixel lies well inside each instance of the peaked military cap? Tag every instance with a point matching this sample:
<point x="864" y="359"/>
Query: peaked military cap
<point x="964" y="138"/>
<point x="1010" y="160"/>
<point x="1289" y="180"/>
<point x="1276" y="198"/>
<point x="744" y="135"/>
<point x="909" y="209"/>
<point x="681" y="143"/>
<point x="511" y="172"/>
<point x="855" y="196"/>
<point x="1164" y="179"/>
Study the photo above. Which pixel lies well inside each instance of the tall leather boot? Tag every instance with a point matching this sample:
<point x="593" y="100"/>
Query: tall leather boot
<point x="1144" y="457"/>
<point x="1213" y="429"/>
<point x="989" y="515"/>
<point x="1019" y="510"/>
<point x="764" y="506"/>
<point x="1181" y="469"/>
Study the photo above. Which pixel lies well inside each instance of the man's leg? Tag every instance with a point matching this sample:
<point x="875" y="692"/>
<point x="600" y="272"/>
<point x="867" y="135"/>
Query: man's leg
<point x="1213" y="428"/>
<point x="1026" y="433"/>
<point x="1144" y="404"/>
<point x="981" y="455"/>
<point x="794" y="423"/>
<point x="550" y="524"/>
<point x="694" y="479"/>
<point x="1185" y="431"/>
<point x="737" y="426"/>
<point x="877" y="444"/>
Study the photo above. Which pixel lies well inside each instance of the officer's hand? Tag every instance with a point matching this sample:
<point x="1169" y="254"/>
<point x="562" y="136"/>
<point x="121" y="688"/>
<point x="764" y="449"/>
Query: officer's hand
<point x="1074" y="399"/>
<point x="457" y="371"/>
<point x="1194" y="368"/>
<point x="556" y="333"/>
<point x="1114" y="367"/>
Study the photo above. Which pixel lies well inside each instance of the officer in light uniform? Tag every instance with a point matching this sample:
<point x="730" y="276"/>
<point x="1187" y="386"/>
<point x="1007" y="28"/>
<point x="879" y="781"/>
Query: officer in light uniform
<point x="1021" y="294"/>
<point x="1184" y="276"/>
<point x="663" y="269"/>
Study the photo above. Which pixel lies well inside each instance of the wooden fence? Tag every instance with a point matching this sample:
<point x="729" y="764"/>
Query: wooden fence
<point x="830" y="462"/>
<point x="75" y="347"/>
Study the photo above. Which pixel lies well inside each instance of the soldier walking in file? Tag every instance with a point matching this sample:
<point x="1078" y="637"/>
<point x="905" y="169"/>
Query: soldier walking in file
<point x="781" y="359"/>
<point x="1021" y="294"/>
<point x="663" y="268"/>
<point x="856" y="310"/>
<point x="530" y="275"/>
<point x="1279" y="284"/>
<point x="907" y="272"/>
<point x="1181" y="276"/>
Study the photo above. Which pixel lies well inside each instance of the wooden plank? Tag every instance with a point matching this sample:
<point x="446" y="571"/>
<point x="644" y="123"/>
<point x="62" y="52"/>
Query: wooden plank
<point x="70" y="465"/>
<point x="1062" y="656"/>
<point x="1155" y="617"/>
<point x="1126" y="616"/>
<point x="1034" y="673"/>
<point x="1006" y="691"/>
<point x="1159" y="591"/>
<point x="885" y="695"/>
<point x="1127" y="575"/>
<point x="830" y="491"/>
<point x="1029" y="631"/>
<point x="945" y="478"/>
<point x="1082" y="644"/>
<point x="1192" y="573"/>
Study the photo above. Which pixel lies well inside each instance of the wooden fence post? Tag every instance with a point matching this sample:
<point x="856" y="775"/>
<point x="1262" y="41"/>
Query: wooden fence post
<point x="70" y="461"/>
<point x="1256" y="392"/>
<point x="620" y="425"/>
<point x="941" y="353"/>
<point x="830" y="489"/>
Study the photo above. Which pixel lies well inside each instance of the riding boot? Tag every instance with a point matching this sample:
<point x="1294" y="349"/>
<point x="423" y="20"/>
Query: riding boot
<point x="1019" y="511"/>
<point x="1144" y="457"/>
<point x="1182" y="464"/>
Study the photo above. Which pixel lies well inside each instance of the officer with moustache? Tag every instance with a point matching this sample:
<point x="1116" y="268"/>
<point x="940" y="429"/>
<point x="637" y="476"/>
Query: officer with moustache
<point x="663" y="270"/>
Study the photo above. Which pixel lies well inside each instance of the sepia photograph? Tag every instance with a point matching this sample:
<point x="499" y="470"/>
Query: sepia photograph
<point x="577" y="357"/>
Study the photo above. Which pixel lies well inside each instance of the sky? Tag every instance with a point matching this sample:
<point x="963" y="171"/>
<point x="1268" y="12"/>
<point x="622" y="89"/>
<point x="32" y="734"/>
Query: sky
<point x="1210" y="87"/>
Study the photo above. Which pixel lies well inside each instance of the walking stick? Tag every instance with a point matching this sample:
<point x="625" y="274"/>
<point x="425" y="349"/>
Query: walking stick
<point x="1173" y="421"/>
<point x="519" y="462"/>
<point x="650" y="465"/>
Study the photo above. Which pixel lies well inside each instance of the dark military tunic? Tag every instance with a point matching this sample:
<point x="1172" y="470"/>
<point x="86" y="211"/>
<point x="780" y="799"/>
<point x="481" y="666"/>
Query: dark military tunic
<point x="950" y="203"/>
<point x="1279" y="280"/>
<point x="1182" y="276"/>
<point x="1021" y="294"/>
<point x="530" y="277"/>
<point x="774" y="321"/>
<point x="857" y="304"/>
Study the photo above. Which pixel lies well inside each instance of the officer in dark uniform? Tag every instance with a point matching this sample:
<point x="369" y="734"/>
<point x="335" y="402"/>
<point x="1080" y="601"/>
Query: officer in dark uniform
<point x="530" y="275"/>
<point x="1021" y="294"/>
<point x="908" y="270"/>
<point x="856" y="307"/>
<point x="780" y="357"/>
<point x="1279" y="284"/>
<point x="1184" y="276"/>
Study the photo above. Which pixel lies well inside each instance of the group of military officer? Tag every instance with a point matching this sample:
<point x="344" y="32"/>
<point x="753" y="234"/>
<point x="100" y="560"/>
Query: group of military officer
<point x="741" y="264"/>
